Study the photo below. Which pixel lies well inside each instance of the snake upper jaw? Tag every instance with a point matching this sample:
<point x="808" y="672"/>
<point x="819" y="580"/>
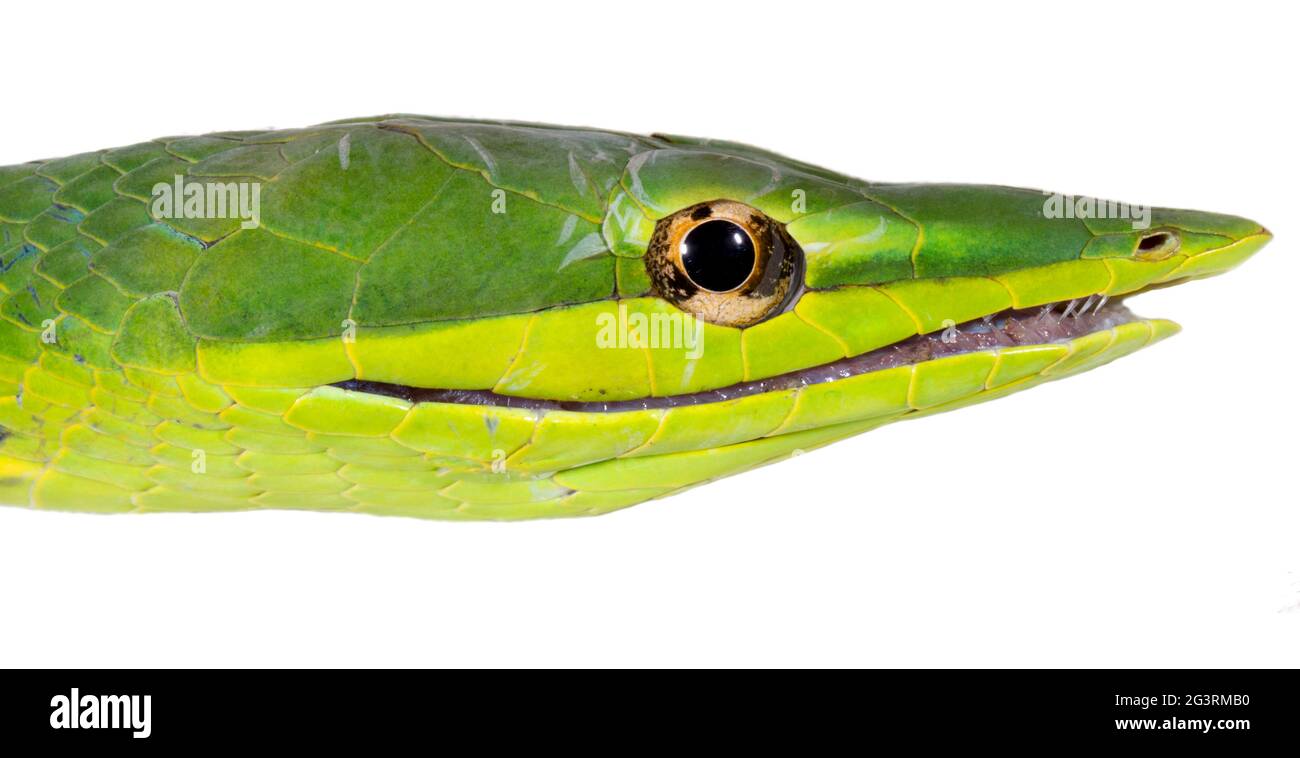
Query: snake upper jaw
<point x="1039" y="306"/>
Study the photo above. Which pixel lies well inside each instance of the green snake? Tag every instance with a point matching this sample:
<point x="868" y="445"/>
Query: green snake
<point x="460" y="319"/>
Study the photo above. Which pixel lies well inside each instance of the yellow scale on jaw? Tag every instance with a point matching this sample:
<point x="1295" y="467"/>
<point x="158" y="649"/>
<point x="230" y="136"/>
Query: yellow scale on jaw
<point x="799" y="419"/>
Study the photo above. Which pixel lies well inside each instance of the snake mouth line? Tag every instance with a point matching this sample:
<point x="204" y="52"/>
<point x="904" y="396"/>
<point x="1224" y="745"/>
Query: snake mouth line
<point x="1057" y="322"/>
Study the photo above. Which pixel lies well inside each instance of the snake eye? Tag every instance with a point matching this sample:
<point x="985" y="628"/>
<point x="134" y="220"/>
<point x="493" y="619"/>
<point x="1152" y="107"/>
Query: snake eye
<point x="718" y="255"/>
<point x="725" y="262"/>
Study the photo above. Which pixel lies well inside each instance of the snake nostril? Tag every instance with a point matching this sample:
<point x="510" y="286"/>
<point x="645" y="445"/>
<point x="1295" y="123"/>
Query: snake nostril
<point x="1158" y="245"/>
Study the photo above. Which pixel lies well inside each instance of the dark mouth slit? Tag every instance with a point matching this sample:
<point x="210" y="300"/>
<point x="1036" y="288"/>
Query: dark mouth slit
<point x="1057" y="322"/>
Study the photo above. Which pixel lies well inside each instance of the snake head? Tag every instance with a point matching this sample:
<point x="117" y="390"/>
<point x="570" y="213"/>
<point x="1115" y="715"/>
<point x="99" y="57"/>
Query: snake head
<point x="642" y="313"/>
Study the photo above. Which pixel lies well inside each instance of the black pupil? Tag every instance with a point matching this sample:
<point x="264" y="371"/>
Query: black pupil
<point x="718" y="255"/>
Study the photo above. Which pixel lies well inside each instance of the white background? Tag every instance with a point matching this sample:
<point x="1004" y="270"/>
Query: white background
<point x="1144" y="514"/>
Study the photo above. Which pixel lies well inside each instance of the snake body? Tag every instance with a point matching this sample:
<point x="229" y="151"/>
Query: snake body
<point x="461" y="319"/>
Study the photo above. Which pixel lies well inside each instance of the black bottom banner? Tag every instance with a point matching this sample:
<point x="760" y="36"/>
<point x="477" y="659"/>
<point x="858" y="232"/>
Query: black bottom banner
<point x="213" y="709"/>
